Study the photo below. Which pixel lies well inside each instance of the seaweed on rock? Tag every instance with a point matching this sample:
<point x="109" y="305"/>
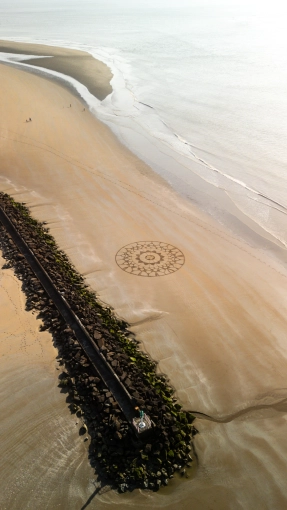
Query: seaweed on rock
<point x="121" y="458"/>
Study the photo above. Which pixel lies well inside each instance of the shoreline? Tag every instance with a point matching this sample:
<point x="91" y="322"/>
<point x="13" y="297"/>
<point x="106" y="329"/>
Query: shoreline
<point x="80" y="65"/>
<point x="121" y="183"/>
<point x="217" y="326"/>
<point x="224" y="210"/>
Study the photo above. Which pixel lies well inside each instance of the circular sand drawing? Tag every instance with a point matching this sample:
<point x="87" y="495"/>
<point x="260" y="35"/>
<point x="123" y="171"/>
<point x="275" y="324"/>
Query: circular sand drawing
<point x="150" y="258"/>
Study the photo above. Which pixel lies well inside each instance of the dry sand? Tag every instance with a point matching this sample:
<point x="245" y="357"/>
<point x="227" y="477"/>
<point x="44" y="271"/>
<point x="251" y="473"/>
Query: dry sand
<point x="217" y="326"/>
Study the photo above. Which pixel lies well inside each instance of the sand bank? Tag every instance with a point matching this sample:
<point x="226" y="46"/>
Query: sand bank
<point x="94" y="74"/>
<point x="217" y="326"/>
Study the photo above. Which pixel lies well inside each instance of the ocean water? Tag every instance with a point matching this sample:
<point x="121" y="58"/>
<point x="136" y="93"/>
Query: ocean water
<point x="199" y="91"/>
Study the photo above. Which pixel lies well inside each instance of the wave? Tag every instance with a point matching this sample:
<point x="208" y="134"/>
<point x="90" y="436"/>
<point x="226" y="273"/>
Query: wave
<point x="233" y="179"/>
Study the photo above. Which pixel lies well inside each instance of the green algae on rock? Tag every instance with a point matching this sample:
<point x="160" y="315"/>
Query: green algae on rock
<point x="126" y="461"/>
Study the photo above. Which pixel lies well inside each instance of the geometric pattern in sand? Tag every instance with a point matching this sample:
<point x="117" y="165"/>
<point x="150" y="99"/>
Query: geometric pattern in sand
<point x="150" y="258"/>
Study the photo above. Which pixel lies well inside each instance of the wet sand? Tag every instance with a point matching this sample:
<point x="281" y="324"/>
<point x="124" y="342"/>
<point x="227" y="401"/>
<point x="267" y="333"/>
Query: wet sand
<point x="40" y="444"/>
<point x="94" y="74"/>
<point x="217" y="326"/>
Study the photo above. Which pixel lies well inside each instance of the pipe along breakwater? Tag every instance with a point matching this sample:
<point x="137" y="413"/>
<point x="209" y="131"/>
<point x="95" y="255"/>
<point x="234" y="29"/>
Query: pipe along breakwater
<point x="106" y="376"/>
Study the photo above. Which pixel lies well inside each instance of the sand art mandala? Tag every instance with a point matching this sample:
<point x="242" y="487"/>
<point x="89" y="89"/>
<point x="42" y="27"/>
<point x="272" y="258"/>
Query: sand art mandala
<point x="150" y="258"/>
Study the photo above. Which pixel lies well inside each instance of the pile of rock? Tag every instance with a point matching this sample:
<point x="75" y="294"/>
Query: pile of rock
<point x="122" y="458"/>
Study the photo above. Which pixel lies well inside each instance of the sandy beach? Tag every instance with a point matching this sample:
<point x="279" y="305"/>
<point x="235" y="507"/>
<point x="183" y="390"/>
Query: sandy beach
<point x="92" y="73"/>
<point x="217" y="325"/>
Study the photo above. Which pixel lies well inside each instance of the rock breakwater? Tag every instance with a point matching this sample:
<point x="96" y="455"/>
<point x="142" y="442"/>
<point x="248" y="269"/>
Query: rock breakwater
<point x="123" y="460"/>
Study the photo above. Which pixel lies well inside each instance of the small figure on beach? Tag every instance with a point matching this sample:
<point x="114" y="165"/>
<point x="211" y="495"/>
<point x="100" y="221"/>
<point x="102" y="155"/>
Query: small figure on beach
<point x="29" y="120"/>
